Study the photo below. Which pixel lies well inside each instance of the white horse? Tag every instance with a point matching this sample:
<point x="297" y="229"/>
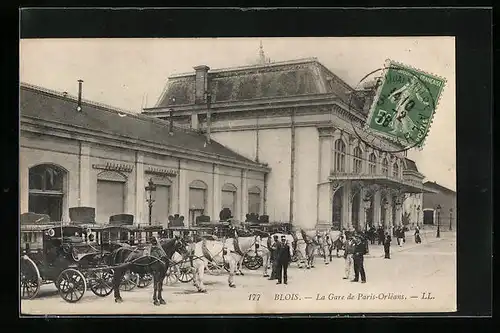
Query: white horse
<point x="241" y="246"/>
<point x="215" y="251"/>
<point x="328" y="242"/>
<point x="311" y="239"/>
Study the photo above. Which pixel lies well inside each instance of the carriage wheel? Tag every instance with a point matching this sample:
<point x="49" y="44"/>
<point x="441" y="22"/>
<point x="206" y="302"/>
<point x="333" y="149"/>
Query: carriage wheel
<point x="214" y="269"/>
<point x="129" y="281"/>
<point x="253" y="263"/>
<point x="185" y="274"/>
<point x="145" y="280"/>
<point x="30" y="279"/>
<point x="71" y="285"/>
<point x="101" y="282"/>
<point x="170" y="277"/>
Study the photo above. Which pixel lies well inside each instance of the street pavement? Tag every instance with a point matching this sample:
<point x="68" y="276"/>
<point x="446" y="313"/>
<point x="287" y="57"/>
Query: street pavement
<point x="417" y="278"/>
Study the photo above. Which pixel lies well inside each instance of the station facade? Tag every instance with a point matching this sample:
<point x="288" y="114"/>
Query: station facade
<point x="101" y="157"/>
<point x="297" y="117"/>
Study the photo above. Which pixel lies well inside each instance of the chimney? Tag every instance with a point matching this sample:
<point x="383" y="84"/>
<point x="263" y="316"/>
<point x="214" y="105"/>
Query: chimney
<point x="171" y="123"/>
<point x="79" y="105"/>
<point x="209" y="116"/>
<point x="201" y="83"/>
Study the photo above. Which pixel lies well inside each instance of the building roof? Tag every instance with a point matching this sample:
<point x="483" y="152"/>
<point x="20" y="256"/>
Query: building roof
<point x="269" y="80"/>
<point x="43" y="104"/>
<point x="439" y="187"/>
<point x="410" y="165"/>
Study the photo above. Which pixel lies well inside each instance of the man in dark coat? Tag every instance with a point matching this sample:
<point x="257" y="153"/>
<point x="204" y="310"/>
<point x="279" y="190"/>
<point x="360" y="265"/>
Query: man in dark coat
<point x="359" y="252"/>
<point x="283" y="258"/>
<point x="380" y="233"/>
<point x="274" y="262"/>
<point x="387" y="246"/>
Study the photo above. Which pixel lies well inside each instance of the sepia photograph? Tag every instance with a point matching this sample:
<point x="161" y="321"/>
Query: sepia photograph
<point x="237" y="175"/>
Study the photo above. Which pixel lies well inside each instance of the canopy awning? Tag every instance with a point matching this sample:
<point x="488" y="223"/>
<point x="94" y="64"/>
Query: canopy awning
<point x="392" y="182"/>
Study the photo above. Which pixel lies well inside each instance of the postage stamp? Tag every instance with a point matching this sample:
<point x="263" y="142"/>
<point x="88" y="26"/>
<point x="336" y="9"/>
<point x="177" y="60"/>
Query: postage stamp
<point x="404" y="104"/>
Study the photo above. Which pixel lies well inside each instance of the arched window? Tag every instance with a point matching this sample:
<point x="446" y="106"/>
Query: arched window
<point x="197" y="199"/>
<point x="395" y="170"/>
<point x="385" y="167"/>
<point x="229" y="197"/>
<point x="46" y="190"/>
<point x="339" y="165"/>
<point x="372" y="164"/>
<point x="358" y="163"/>
<point x="254" y="200"/>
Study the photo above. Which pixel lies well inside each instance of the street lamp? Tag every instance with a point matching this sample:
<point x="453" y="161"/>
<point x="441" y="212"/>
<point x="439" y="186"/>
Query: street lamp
<point x="451" y="214"/>
<point x="438" y="211"/>
<point x="385" y="205"/>
<point x="399" y="204"/>
<point x="367" y="202"/>
<point x="151" y="188"/>
<point x="418" y="214"/>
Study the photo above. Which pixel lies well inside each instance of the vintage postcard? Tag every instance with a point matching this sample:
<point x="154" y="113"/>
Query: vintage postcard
<point x="237" y="176"/>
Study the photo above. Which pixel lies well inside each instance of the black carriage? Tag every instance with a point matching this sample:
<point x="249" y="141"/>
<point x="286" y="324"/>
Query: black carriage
<point x="61" y="254"/>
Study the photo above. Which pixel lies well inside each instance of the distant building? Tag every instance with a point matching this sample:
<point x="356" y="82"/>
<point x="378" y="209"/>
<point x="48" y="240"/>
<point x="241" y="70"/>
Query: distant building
<point x="444" y="197"/>
<point x="100" y="157"/>
<point x="298" y="117"/>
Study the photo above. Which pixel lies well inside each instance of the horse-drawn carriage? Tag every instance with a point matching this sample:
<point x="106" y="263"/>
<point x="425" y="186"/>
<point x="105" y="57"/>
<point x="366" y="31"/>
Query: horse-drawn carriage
<point x="61" y="254"/>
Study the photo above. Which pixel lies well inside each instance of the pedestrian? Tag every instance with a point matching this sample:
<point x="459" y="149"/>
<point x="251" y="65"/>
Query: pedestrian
<point x="380" y="233"/>
<point x="403" y="233"/>
<point x="283" y="257"/>
<point x="387" y="246"/>
<point x="274" y="262"/>
<point x="348" y="257"/>
<point x="358" y="258"/>
<point x="397" y="233"/>
<point x="418" y="240"/>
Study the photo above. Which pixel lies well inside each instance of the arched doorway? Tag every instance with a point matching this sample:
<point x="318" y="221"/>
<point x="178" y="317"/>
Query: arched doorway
<point x="46" y="190"/>
<point x="337" y="209"/>
<point x="355" y="211"/>
<point x="369" y="213"/>
<point x="429" y="216"/>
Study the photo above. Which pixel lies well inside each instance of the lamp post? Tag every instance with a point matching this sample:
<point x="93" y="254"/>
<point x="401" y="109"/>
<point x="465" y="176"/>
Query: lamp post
<point x="418" y="214"/>
<point x="399" y="204"/>
<point x="151" y="188"/>
<point x="451" y="215"/>
<point x="438" y="211"/>
<point x="385" y="204"/>
<point x="367" y="204"/>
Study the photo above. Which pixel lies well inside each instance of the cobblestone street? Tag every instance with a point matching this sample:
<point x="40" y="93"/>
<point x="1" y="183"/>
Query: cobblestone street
<point x="417" y="278"/>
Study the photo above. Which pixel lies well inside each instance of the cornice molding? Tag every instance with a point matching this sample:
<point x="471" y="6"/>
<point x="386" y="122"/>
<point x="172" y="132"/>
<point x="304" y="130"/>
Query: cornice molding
<point x="83" y="134"/>
<point x="119" y="167"/>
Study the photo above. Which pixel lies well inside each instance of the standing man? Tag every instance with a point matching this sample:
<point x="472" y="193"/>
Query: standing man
<point x="284" y="255"/>
<point x="387" y="246"/>
<point x="348" y="256"/>
<point x="274" y="262"/>
<point x="380" y="234"/>
<point x="358" y="258"/>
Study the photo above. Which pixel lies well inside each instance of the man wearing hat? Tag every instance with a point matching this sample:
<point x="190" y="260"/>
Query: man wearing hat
<point x="358" y="258"/>
<point x="274" y="263"/>
<point x="283" y="258"/>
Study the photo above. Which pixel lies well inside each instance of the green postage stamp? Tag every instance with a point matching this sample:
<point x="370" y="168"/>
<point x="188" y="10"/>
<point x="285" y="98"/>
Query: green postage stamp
<point x="404" y="104"/>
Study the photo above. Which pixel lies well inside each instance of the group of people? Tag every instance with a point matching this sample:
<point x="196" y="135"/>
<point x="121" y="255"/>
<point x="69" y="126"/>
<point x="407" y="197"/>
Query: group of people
<point x="280" y="256"/>
<point x="355" y="247"/>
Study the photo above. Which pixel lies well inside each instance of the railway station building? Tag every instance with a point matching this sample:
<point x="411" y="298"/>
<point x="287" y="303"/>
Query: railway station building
<point x="76" y="153"/>
<point x="297" y="118"/>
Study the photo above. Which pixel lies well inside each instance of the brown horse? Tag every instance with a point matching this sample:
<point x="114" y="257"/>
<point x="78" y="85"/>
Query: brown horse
<point x="151" y="259"/>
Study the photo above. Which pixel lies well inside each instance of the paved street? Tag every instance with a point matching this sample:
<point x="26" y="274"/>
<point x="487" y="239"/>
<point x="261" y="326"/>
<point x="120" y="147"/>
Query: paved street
<point x="395" y="285"/>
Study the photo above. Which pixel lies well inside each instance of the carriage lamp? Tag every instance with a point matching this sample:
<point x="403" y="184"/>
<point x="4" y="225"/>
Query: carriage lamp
<point x="150" y="189"/>
<point x="366" y="204"/>
<point x="438" y="213"/>
<point x="451" y="216"/>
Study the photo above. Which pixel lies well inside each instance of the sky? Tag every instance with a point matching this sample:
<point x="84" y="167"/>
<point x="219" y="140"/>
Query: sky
<point x="132" y="73"/>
